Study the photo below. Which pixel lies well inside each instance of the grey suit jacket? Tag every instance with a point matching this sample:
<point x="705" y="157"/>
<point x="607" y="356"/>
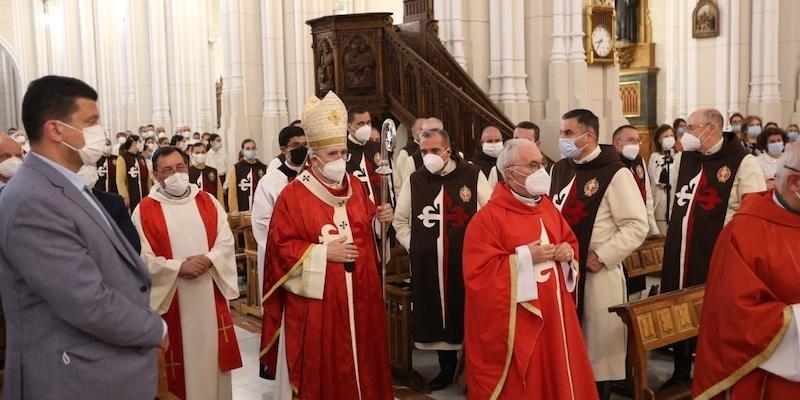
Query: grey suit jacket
<point x="75" y="295"/>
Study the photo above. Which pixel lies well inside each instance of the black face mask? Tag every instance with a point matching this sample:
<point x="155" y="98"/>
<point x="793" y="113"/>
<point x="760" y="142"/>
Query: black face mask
<point x="298" y="155"/>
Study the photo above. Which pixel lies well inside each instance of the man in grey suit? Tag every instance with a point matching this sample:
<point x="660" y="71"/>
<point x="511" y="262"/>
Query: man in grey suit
<point x="74" y="290"/>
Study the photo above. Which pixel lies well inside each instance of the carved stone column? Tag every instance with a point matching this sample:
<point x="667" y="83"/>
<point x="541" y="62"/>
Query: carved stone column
<point x="158" y="63"/>
<point x="274" y="114"/>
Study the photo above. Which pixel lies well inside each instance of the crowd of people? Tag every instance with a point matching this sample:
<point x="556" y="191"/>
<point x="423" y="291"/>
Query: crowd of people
<point x="114" y="255"/>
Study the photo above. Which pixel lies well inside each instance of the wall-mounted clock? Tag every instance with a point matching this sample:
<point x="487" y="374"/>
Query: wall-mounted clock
<point x="600" y="32"/>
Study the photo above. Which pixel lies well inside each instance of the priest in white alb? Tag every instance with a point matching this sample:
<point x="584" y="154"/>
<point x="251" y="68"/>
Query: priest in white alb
<point x="188" y="248"/>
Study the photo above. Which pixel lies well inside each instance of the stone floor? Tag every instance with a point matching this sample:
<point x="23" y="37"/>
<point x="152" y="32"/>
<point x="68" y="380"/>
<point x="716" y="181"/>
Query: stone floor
<point x="248" y="386"/>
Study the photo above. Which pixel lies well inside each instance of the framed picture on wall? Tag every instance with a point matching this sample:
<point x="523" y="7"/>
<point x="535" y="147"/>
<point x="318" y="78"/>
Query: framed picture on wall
<point x="705" y="19"/>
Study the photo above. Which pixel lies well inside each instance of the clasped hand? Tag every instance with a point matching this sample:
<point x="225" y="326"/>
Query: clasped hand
<point x="194" y="266"/>
<point x="341" y="252"/>
<point x="550" y="252"/>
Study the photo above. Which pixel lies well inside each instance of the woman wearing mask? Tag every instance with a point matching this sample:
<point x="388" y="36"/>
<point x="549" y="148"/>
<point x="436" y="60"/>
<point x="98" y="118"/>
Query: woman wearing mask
<point x="180" y="142"/>
<point x="751" y="128"/>
<point x="147" y="152"/>
<point x="133" y="177"/>
<point x="216" y="157"/>
<point x="772" y="142"/>
<point x="245" y="175"/>
<point x="678" y="128"/>
<point x="121" y="138"/>
<point x="792" y="132"/>
<point x="663" y="142"/>
<point x="735" y="122"/>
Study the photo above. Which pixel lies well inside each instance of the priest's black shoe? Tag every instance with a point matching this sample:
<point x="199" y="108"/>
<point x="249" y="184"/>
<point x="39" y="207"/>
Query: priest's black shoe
<point x="448" y="361"/>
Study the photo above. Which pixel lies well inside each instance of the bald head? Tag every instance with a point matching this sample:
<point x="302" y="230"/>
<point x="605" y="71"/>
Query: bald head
<point x="491" y="134"/>
<point x="706" y="125"/>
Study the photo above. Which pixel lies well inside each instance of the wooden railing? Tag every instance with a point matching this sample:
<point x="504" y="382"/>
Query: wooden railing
<point x="417" y="88"/>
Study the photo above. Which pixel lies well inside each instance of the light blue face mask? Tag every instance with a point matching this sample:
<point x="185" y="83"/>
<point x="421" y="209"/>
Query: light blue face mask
<point x="249" y="154"/>
<point x="753" y="131"/>
<point x="568" y="148"/>
<point x="793" y="135"/>
<point x="775" y="148"/>
<point x="681" y="130"/>
<point x="736" y="128"/>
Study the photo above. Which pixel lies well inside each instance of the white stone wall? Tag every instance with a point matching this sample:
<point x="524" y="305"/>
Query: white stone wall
<point x="157" y="60"/>
<point x="728" y="72"/>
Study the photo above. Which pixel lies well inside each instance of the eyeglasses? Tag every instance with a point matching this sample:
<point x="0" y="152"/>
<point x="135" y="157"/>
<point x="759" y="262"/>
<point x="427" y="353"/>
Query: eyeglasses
<point x="631" y="140"/>
<point x="692" y="128"/>
<point x="534" y="165"/>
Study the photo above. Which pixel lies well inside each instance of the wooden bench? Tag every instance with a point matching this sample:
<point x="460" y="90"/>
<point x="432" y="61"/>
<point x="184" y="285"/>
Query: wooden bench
<point x="398" y="322"/>
<point x="247" y="255"/>
<point x="656" y="322"/>
<point x="646" y="260"/>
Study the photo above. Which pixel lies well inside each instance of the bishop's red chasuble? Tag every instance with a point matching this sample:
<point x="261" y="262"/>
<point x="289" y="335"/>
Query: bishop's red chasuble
<point x="334" y="343"/>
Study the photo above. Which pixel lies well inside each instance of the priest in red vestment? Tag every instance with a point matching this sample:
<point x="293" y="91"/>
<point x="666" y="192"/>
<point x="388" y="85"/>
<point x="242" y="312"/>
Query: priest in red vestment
<point x="324" y="326"/>
<point x="748" y="347"/>
<point x="522" y="337"/>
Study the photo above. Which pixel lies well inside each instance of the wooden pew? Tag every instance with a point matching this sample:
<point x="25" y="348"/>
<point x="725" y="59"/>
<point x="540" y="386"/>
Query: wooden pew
<point x="646" y="259"/>
<point x="398" y="322"/>
<point x="247" y="254"/>
<point x="656" y="322"/>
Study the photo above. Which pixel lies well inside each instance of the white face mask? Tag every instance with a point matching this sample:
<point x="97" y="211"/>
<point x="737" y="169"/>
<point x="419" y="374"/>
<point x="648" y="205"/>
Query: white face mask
<point x="121" y="139"/>
<point x="433" y="163"/>
<point x="199" y="158"/>
<point x="217" y="146"/>
<point x="492" y="149"/>
<point x="89" y="175"/>
<point x="690" y="142"/>
<point x="668" y="143"/>
<point x="335" y="170"/>
<point x="161" y="135"/>
<point x="21" y="139"/>
<point x="94" y="138"/>
<point x="630" y="151"/>
<point x="362" y="134"/>
<point x="538" y="183"/>
<point x="9" y="167"/>
<point x="176" y="184"/>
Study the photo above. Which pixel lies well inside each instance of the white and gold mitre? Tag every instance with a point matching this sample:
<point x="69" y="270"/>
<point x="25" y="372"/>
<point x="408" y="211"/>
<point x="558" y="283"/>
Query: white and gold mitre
<point x="325" y="122"/>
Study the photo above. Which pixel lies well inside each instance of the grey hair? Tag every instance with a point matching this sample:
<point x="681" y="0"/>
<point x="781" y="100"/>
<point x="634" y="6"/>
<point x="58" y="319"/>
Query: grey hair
<point x="510" y="154"/>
